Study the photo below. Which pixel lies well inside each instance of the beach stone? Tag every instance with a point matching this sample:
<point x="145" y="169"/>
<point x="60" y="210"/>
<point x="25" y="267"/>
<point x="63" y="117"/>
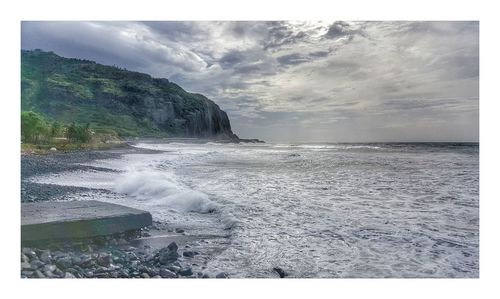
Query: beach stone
<point x="76" y="260"/>
<point x="35" y="264"/>
<point x="153" y="272"/>
<point x="49" y="268"/>
<point x="222" y="275"/>
<point x="280" y="272"/>
<point x="169" y="254"/>
<point x="58" y="272"/>
<point x="174" y="268"/>
<point x="64" y="262"/>
<point x="38" y="274"/>
<point x="145" y="275"/>
<point x="53" y="149"/>
<point x="165" y="273"/>
<point x="189" y="253"/>
<point x="186" y="272"/>
<point x="69" y="275"/>
<point x="179" y="230"/>
<point x="205" y="276"/>
<point x="45" y="256"/>
<point x="24" y="258"/>
<point x="104" y="260"/>
<point x="29" y="252"/>
<point x="25" y="266"/>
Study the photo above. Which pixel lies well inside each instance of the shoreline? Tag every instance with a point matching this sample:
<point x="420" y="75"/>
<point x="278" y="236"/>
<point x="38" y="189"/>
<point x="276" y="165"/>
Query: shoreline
<point x="157" y="251"/>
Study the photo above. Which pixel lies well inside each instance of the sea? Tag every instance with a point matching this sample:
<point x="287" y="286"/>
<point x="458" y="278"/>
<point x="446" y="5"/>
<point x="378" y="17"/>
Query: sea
<point x="322" y="210"/>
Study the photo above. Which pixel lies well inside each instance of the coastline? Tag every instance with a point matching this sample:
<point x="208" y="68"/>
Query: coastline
<point x="157" y="251"/>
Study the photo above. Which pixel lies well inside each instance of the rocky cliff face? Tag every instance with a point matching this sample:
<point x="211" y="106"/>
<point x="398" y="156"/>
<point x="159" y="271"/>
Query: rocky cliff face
<point x="131" y="103"/>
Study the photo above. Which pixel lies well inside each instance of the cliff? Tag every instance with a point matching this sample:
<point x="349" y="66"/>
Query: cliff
<point x="107" y="97"/>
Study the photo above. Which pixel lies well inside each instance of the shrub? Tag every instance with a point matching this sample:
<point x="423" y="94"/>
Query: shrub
<point x="34" y="128"/>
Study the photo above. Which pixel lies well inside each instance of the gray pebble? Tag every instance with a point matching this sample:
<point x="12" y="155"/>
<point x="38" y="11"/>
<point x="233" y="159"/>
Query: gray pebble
<point x="165" y="273"/>
<point x="222" y="275"/>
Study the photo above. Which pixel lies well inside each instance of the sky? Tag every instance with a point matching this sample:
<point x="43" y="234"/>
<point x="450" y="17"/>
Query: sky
<point x="300" y="81"/>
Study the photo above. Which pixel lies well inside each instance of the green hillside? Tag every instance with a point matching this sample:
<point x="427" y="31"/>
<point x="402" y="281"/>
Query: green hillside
<point x="110" y="98"/>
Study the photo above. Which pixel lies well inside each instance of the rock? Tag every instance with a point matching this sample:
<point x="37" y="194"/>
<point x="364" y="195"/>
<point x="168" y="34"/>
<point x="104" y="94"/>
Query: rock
<point x="169" y="254"/>
<point x="280" y="272"/>
<point x="145" y="275"/>
<point x="174" y="268"/>
<point x="179" y="230"/>
<point x="104" y="259"/>
<point x="76" y="260"/>
<point x="24" y="258"/>
<point x="165" y="273"/>
<point x="45" y="256"/>
<point x="35" y="264"/>
<point x="153" y="272"/>
<point x="25" y="266"/>
<point x="69" y="275"/>
<point x="29" y="252"/>
<point x="58" y="272"/>
<point x="38" y="274"/>
<point x="49" y="268"/>
<point x="205" y="276"/>
<point x="222" y="275"/>
<point x="186" y="272"/>
<point x="64" y="262"/>
<point x="189" y="253"/>
<point x="53" y="149"/>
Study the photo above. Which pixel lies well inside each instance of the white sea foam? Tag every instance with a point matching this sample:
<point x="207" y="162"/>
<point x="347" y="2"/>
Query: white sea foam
<point x="318" y="210"/>
<point x="161" y="188"/>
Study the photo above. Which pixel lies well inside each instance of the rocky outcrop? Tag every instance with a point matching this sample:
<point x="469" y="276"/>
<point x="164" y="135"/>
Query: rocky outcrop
<point x="131" y="103"/>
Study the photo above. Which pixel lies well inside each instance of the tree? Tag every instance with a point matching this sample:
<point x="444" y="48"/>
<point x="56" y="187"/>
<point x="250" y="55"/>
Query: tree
<point x="80" y="134"/>
<point x="56" y="129"/>
<point x="34" y="128"/>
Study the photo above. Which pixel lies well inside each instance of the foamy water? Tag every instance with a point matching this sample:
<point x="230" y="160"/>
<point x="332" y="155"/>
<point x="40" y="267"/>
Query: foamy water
<point x="316" y="210"/>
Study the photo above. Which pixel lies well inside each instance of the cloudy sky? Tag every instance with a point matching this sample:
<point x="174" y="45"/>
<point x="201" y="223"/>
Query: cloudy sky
<point x="301" y="81"/>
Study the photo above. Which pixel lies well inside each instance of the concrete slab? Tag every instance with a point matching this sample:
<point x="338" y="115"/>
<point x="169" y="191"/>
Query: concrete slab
<point x="78" y="219"/>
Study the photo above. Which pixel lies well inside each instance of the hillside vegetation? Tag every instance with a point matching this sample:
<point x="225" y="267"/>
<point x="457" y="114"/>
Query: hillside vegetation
<point x="109" y="99"/>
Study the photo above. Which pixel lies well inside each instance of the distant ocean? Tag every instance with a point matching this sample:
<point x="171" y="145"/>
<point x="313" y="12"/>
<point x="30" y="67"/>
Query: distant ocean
<point x="314" y="210"/>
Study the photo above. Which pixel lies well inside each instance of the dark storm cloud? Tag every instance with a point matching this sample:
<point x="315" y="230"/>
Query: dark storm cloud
<point x="232" y="58"/>
<point x="280" y="34"/>
<point x="319" y="54"/>
<point x="293" y="59"/>
<point x="342" y="29"/>
<point x="299" y="77"/>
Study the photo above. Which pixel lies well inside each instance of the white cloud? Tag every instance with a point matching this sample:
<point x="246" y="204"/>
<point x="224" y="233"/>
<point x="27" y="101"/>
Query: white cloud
<point x="337" y="76"/>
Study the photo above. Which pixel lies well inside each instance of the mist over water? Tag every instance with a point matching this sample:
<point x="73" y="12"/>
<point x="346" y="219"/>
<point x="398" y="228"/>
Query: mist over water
<point x="315" y="210"/>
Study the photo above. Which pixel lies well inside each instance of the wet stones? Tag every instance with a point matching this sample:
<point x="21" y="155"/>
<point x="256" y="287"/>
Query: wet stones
<point x="165" y="273"/>
<point x="189" y="253"/>
<point x="169" y="254"/>
<point x="104" y="259"/>
<point x="280" y="272"/>
<point x="107" y="259"/>
<point x="186" y="272"/>
<point x="222" y="275"/>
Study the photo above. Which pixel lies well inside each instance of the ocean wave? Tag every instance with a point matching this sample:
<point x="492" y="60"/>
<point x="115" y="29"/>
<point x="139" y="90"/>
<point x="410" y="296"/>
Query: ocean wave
<point x="161" y="188"/>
